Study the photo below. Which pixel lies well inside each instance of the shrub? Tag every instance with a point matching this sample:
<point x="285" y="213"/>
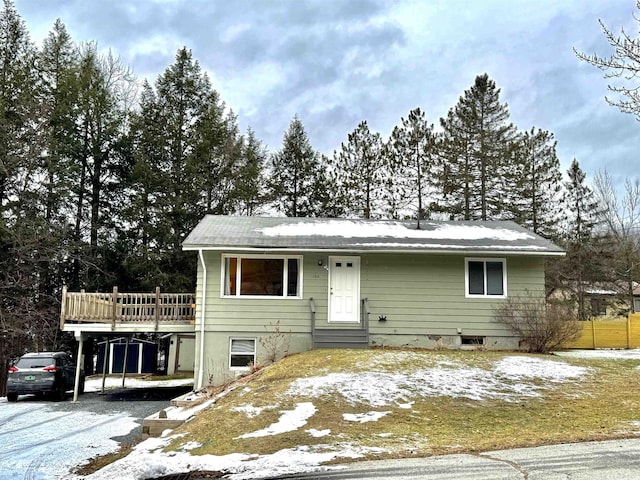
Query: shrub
<point x="275" y="343"/>
<point x="541" y="326"/>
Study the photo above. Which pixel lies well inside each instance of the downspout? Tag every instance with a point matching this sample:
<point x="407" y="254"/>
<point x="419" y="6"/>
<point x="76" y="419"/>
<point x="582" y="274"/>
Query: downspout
<point x="202" y="318"/>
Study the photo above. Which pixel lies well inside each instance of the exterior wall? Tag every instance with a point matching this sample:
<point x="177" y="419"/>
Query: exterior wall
<point x="422" y="297"/>
<point x="178" y="353"/>
<point x="171" y="357"/>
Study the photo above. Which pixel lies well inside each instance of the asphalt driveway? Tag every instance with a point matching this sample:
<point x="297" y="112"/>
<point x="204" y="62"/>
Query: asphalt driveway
<point x="43" y="440"/>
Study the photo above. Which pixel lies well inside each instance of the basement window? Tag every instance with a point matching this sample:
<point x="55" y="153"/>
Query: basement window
<point x="471" y="340"/>
<point x="242" y="353"/>
<point x="265" y="276"/>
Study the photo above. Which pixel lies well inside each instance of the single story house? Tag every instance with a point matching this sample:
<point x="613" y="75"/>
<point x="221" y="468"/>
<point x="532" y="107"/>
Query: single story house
<point x="292" y="284"/>
<point x="611" y="299"/>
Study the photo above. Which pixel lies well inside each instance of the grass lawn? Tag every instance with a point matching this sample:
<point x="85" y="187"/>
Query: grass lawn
<point x="395" y="403"/>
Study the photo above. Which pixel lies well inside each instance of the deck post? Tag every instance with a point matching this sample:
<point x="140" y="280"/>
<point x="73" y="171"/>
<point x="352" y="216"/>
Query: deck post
<point x="104" y="362"/>
<point x="124" y="365"/>
<point x="157" y="307"/>
<point x="62" y="307"/>
<point x="114" y="309"/>
<point x="76" y="384"/>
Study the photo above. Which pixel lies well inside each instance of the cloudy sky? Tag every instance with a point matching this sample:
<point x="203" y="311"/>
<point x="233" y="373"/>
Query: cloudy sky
<point x="338" y="62"/>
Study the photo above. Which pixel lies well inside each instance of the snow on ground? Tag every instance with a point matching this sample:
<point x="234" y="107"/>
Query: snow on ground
<point x="75" y="437"/>
<point x="146" y="462"/>
<point x="364" y="417"/>
<point x="94" y="383"/>
<point x="614" y="354"/>
<point x="509" y="380"/>
<point x="290" y="421"/>
<point x="251" y="411"/>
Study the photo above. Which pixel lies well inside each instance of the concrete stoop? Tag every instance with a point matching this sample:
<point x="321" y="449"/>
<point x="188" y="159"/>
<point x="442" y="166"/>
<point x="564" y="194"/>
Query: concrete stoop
<point x="182" y="409"/>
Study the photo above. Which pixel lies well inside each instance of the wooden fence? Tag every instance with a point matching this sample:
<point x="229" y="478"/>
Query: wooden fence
<point x="622" y="333"/>
<point x="175" y="308"/>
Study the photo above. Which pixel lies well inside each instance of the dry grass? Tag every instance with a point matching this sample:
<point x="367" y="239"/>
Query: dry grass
<point x="605" y="404"/>
<point x="96" y="463"/>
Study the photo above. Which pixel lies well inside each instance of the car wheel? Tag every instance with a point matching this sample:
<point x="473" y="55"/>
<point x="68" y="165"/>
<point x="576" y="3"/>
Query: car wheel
<point x="12" y="397"/>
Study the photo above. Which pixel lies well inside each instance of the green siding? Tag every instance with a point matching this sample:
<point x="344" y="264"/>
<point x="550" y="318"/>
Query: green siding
<point x="425" y="294"/>
<point x="417" y="293"/>
<point x="421" y="295"/>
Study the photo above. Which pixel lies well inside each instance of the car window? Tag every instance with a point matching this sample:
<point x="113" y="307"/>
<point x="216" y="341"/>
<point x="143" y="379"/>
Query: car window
<point x="34" y="362"/>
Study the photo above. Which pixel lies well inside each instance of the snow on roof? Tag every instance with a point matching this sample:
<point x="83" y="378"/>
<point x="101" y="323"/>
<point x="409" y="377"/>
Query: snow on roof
<point x="392" y="229"/>
<point x="227" y="232"/>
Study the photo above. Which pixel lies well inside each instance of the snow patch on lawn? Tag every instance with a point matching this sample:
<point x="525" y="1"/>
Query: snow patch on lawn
<point x="252" y="411"/>
<point x="511" y="379"/>
<point x="318" y="433"/>
<point x="364" y="417"/>
<point x="615" y="354"/>
<point x="549" y="370"/>
<point x="289" y="421"/>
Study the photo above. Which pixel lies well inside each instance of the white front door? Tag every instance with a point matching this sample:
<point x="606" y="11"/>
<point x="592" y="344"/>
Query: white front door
<point x="344" y="289"/>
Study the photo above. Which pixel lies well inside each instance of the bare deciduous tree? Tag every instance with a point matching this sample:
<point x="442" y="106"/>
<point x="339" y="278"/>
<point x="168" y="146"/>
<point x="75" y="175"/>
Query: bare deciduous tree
<point x="622" y="67"/>
<point x="621" y="218"/>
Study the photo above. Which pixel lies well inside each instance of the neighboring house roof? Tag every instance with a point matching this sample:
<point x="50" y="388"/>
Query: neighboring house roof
<point x="612" y="288"/>
<point x="317" y="234"/>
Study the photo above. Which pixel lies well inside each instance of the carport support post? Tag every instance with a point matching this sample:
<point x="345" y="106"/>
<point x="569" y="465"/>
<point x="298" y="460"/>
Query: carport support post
<point x="124" y="363"/>
<point x="104" y="362"/>
<point x="76" y="384"/>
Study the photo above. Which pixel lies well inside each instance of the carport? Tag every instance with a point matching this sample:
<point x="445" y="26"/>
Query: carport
<point x="123" y="314"/>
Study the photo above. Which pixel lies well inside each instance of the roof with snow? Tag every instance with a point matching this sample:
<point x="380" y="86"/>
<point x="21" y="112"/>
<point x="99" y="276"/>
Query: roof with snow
<point x="316" y="234"/>
<point x="216" y="232"/>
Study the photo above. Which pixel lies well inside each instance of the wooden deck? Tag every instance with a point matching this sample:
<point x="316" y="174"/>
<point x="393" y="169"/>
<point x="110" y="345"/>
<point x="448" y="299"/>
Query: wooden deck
<point x="120" y="311"/>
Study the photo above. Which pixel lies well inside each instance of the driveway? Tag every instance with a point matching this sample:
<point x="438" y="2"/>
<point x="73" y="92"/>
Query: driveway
<point x="43" y="440"/>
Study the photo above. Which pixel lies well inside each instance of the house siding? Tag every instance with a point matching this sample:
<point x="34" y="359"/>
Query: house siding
<point x="421" y="295"/>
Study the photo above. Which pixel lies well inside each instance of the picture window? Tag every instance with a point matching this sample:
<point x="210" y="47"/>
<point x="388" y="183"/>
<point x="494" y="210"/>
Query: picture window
<point x="245" y="276"/>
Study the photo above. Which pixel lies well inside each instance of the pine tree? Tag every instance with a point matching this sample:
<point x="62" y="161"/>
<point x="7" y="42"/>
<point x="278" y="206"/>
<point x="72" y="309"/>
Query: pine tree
<point x="296" y="183"/>
<point x="25" y="243"/>
<point x="18" y="141"/>
<point x="581" y="211"/>
<point x="187" y="158"/>
<point x="104" y="84"/>
<point x="413" y="158"/>
<point x="535" y="182"/>
<point x="581" y="266"/>
<point x="456" y="179"/>
<point x="359" y="170"/>
<point x="477" y="144"/>
<point x="249" y="194"/>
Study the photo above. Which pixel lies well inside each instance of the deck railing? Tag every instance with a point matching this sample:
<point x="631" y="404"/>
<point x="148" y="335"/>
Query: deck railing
<point x="116" y="307"/>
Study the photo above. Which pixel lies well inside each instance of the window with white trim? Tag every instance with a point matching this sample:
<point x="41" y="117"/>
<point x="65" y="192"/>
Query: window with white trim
<point x="264" y="276"/>
<point x="486" y="277"/>
<point x="242" y="353"/>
